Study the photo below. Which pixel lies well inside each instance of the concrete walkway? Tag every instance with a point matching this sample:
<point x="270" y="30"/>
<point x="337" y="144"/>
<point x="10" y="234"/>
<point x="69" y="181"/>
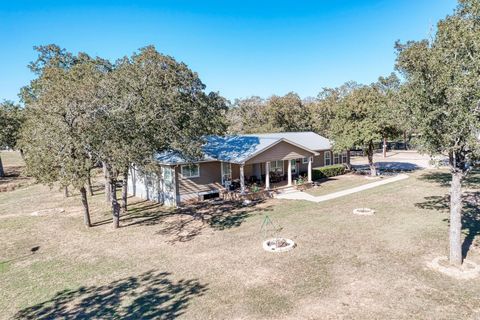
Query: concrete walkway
<point x="299" y="195"/>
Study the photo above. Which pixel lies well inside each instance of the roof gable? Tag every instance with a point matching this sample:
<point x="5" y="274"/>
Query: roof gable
<point x="308" y="139"/>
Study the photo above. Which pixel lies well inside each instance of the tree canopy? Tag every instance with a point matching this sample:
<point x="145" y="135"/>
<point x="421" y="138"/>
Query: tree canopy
<point x="150" y="103"/>
<point x="11" y="119"/>
<point x="59" y="117"/>
<point x="82" y="110"/>
<point x="288" y="113"/>
<point x="365" y="114"/>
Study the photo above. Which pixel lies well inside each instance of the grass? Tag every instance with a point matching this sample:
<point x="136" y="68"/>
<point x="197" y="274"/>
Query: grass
<point x="11" y="158"/>
<point x="12" y="165"/>
<point x="207" y="262"/>
<point x="340" y="183"/>
<point x="3" y="266"/>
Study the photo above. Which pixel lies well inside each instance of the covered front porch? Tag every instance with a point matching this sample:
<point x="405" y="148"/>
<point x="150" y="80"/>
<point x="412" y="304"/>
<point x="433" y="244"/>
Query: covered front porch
<point x="268" y="175"/>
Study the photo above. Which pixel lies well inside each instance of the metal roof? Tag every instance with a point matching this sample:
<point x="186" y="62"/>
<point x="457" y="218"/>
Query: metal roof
<point x="308" y="139"/>
<point x="239" y="148"/>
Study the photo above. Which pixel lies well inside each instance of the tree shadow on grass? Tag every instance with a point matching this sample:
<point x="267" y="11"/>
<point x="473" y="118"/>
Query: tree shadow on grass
<point x="13" y="179"/>
<point x="151" y="295"/>
<point x="138" y="210"/>
<point x="184" y="223"/>
<point x="472" y="181"/>
<point x="192" y="220"/>
<point x="470" y="215"/>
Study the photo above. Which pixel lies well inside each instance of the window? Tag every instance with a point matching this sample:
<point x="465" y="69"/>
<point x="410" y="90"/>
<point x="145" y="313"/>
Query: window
<point x="336" y="158"/>
<point x="305" y="160"/>
<point x="345" y="157"/>
<point x="226" y="172"/>
<point x="191" y="170"/>
<point x="327" y="156"/>
<point x="276" y="166"/>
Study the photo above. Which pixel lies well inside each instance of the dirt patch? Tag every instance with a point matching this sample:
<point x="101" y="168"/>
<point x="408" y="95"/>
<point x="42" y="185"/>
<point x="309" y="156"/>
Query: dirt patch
<point x="47" y="212"/>
<point x="364" y="211"/>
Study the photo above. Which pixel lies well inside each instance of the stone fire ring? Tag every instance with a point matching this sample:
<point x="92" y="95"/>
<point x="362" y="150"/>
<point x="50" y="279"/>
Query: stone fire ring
<point x="272" y="248"/>
<point x="364" y="211"/>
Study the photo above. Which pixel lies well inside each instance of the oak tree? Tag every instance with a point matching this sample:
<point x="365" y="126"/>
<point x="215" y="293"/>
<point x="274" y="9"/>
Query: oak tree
<point x="443" y="83"/>
<point x="57" y="132"/>
<point x="150" y="103"/>
<point x="356" y="121"/>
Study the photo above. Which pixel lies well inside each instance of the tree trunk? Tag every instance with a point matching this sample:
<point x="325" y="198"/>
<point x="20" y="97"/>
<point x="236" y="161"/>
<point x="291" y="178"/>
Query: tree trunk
<point x="348" y="164"/>
<point x="2" y="172"/>
<point x="86" y="212"/>
<point x="115" y="205"/>
<point x="65" y="192"/>
<point x="133" y="176"/>
<point x="125" y="190"/>
<point x="385" y="147"/>
<point x="455" y="255"/>
<point x="108" y="198"/>
<point x="405" y="140"/>
<point x="89" y="183"/>
<point x="373" y="169"/>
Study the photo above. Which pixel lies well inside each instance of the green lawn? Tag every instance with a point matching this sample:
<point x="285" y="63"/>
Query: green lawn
<point x="340" y="183"/>
<point x="207" y="262"/>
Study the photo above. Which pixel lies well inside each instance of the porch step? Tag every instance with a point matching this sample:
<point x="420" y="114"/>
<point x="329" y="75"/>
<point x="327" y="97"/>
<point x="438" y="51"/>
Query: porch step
<point x="287" y="190"/>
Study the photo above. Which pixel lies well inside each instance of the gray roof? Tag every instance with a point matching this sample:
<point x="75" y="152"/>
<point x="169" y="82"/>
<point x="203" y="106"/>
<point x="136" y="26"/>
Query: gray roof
<point x="239" y="148"/>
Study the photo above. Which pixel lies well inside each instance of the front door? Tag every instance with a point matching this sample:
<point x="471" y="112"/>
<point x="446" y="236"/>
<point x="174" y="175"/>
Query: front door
<point x="294" y="167"/>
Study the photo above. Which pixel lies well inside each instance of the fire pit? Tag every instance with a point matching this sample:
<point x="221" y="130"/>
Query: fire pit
<point x="278" y="245"/>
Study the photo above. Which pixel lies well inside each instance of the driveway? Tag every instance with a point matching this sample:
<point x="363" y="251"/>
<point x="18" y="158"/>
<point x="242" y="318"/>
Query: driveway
<point x="397" y="160"/>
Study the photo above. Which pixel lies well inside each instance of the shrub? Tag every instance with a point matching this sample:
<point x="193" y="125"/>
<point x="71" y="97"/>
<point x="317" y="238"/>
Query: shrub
<point x="328" y="171"/>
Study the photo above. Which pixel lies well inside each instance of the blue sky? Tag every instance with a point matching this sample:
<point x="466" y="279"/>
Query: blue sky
<point x="239" y="48"/>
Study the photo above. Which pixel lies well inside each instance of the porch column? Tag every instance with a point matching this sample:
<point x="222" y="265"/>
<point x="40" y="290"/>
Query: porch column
<point x="267" y="175"/>
<point x="289" y="172"/>
<point x="242" y="179"/>
<point x="310" y="169"/>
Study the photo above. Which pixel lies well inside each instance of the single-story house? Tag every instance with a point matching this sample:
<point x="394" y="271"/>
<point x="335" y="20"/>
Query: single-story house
<point x="234" y="162"/>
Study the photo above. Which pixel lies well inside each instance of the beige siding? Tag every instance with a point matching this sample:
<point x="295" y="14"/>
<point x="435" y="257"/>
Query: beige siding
<point x="280" y="151"/>
<point x="248" y="170"/>
<point x="210" y="172"/>
<point x="210" y="179"/>
<point x="318" y="161"/>
<point x="236" y="171"/>
<point x="303" y="166"/>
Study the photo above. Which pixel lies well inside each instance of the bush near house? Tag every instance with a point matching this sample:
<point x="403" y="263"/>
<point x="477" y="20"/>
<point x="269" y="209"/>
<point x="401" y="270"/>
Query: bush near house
<point x="328" y="171"/>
